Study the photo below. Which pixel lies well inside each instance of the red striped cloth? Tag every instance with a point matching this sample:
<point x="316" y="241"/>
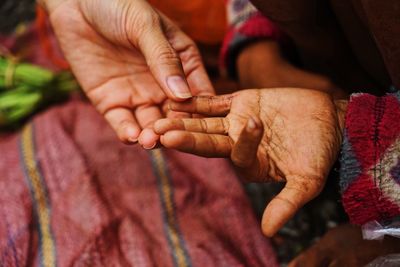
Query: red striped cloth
<point x="73" y="195"/>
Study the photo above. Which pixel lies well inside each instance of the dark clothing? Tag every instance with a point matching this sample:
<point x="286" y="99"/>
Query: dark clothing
<point x="354" y="42"/>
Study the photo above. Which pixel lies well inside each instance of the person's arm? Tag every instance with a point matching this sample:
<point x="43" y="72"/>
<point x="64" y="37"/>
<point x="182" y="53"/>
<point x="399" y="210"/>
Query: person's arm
<point x="246" y="26"/>
<point x="129" y="59"/>
<point x="254" y="54"/>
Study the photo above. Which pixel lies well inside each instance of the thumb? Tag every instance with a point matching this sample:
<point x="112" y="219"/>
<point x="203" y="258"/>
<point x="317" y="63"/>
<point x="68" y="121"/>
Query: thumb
<point x="163" y="61"/>
<point x="297" y="192"/>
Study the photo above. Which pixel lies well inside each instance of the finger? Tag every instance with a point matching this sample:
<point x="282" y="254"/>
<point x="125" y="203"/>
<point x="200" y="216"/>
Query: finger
<point x="168" y="113"/>
<point x="192" y="63"/>
<point x="146" y="116"/>
<point x="206" y="145"/>
<point x="124" y="124"/>
<point x="148" y="138"/>
<point x="190" y="56"/>
<point x="163" y="61"/>
<point x="205" y="105"/>
<point x="244" y="153"/>
<point x="207" y="125"/>
<point x="178" y="115"/>
<point x="297" y="192"/>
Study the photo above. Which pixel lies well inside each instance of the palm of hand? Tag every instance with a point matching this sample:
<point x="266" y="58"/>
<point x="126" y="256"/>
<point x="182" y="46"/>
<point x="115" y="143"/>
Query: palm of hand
<point x="299" y="144"/>
<point x="110" y="68"/>
<point x="298" y="125"/>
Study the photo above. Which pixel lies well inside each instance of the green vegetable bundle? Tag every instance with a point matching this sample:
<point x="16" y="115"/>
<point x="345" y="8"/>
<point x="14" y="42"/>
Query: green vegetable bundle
<point x="26" y="88"/>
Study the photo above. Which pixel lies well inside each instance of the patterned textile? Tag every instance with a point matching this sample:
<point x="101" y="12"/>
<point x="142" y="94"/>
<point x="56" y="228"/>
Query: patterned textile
<point x="73" y="195"/>
<point x="370" y="172"/>
<point x="246" y="24"/>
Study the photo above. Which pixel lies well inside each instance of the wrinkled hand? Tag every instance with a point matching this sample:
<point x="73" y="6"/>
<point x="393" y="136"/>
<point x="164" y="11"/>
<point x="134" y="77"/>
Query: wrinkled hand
<point x="345" y="246"/>
<point x="287" y="135"/>
<point x="129" y="59"/>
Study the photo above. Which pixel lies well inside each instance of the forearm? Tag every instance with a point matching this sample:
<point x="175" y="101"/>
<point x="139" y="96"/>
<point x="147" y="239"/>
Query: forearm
<point x="252" y="54"/>
<point x="262" y="65"/>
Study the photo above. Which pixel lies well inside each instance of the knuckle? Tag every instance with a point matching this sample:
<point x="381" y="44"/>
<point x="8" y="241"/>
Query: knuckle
<point x="203" y="125"/>
<point x="191" y="53"/>
<point x="165" y="55"/>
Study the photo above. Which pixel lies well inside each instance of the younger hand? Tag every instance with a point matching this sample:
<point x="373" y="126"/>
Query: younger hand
<point x="284" y="135"/>
<point x="129" y="59"/>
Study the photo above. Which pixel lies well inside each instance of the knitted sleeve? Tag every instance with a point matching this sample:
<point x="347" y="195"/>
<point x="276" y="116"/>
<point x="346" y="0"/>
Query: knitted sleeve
<point x="246" y="24"/>
<point x="370" y="162"/>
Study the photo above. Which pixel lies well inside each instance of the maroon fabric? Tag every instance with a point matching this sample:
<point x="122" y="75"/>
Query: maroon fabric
<point x="116" y="205"/>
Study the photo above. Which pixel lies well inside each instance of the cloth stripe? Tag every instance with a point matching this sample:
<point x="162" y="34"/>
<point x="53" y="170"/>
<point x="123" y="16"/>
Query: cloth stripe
<point x="39" y="197"/>
<point x="171" y="227"/>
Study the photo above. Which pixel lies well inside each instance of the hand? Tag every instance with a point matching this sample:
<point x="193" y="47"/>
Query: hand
<point x="299" y="145"/>
<point x="128" y="58"/>
<point x="345" y="246"/>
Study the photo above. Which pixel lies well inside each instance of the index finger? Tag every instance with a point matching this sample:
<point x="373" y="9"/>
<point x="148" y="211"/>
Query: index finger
<point x="205" y="105"/>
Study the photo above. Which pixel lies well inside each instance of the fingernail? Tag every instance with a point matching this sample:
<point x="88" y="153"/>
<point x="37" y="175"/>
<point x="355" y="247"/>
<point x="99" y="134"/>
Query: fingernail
<point x="133" y="140"/>
<point x="132" y="135"/>
<point x="150" y="147"/>
<point x="178" y="87"/>
<point x="251" y="125"/>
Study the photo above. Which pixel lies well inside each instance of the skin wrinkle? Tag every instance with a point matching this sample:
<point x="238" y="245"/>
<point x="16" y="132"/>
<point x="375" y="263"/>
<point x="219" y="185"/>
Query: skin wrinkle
<point x="167" y="56"/>
<point x="204" y="125"/>
<point x="187" y="55"/>
<point x="225" y="124"/>
<point x="210" y="105"/>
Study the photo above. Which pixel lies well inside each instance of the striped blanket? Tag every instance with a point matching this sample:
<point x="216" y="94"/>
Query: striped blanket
<point x="72" y="195"/>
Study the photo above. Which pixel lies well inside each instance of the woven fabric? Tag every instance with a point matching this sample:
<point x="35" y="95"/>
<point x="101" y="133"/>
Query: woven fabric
<point x="73" y="195"/>
<point x="246" y="24"/>
<point x="370" y="172"/>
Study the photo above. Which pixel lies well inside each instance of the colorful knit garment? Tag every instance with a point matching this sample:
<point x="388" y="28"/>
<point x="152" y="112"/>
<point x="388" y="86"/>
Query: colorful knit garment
<point x="246" y="24"/>
<point x="370" y="166"/>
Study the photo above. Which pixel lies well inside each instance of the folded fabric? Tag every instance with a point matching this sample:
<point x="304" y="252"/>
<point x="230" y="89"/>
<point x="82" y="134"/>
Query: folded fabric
<point x="72" y="195"/>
